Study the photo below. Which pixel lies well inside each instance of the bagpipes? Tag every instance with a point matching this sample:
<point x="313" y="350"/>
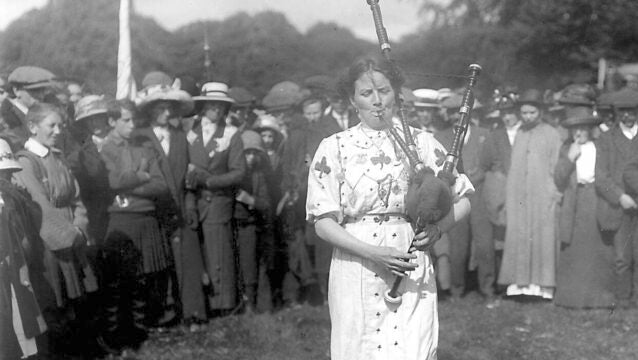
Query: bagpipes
<point x="429" y="197"/>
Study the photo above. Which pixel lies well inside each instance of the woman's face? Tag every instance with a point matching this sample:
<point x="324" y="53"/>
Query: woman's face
<point x="581" y="134"/>
<point x="268" y="137"/>
<point x="161" y="112"/>
<point x="47" y="131"/>
<point x="252" y="158"/>
<point x="373" y="99"/>
<point x="530" y="113"/>
<point x="214" y="110"/>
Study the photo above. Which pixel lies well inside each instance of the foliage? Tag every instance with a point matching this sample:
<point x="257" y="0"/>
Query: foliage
<point x="78" y="39"/>
<point x="531" y="43"/>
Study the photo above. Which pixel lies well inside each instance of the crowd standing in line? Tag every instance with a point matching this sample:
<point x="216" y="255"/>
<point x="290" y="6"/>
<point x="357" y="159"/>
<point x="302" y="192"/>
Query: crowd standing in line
<point x="119" y="217"/>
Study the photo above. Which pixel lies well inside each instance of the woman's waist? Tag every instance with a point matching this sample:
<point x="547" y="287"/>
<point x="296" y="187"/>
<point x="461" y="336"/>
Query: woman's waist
<point x="377" y="218"/>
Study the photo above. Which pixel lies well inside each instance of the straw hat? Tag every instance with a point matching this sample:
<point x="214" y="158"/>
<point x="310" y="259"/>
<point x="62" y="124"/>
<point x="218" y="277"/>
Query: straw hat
<point x="31" y="77"/>
<point x="90" y="105"/>
<point x="426" y="98"/>
<point x="7" y="159"/>
<point x="580" y="115"/>
<point x="214" y="91"/>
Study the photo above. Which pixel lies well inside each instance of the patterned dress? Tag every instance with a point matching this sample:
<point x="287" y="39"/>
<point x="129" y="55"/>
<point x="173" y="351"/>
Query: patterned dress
<point x="360" y="177"/>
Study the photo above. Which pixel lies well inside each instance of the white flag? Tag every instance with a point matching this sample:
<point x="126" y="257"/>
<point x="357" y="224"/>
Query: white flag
<point x="126" y="88"/>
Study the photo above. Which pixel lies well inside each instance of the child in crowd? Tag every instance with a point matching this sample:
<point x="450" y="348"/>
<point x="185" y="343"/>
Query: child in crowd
<point x="252" y="212"/>
<point x="135" y="248"/>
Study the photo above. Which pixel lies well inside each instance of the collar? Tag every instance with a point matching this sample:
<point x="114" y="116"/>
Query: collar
<point x="19" y="105"/>
<point x="117" y="140"/>
<point x="629" y="130"/>
<point x="207" y="123"/>
<point x="35" y="147"/>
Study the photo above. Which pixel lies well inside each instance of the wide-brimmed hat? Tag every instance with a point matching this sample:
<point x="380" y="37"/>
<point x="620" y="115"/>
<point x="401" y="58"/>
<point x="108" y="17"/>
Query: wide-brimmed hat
<point x="7" y="159"/>
<point x="531" y="97"/>
<point x="252" y="140"/>
<point x="161" y="92"/>
<point x="242" y="97"/>
<point x="90" y="105"/>
<point x="577" y="94"/>
<point x="214" y="91"/>
<point x="621" y="99"/>
<point x="426" y="98"/>
<point x="282" y="96"/>
<point x="580" y="115"/>
<point x="31" y="77"/>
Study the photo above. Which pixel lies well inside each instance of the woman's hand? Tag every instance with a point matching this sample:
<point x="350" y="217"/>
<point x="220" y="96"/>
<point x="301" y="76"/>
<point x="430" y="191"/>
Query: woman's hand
<point x="574" y="152"/>
<point x="392" y="259"/>
<point x="424" y="240"/>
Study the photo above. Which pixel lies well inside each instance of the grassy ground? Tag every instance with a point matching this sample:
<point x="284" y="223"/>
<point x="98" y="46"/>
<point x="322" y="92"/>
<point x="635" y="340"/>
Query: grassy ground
<point x="469" y="330"/>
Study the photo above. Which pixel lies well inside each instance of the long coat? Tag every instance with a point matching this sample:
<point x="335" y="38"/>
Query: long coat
<point x="531" y="249"/>
<point x="584" y="277"/>
<point x="189" y="264"/>
<point x="88" y="167"/>
<point x="495" y="162"/>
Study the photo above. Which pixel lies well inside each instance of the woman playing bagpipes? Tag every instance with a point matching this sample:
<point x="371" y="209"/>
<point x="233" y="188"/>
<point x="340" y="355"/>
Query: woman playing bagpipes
<point x="357" y="189"/>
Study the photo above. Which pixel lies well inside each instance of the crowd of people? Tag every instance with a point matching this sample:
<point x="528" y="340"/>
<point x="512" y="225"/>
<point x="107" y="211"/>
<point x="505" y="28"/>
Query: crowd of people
<point x="121" y="216"/>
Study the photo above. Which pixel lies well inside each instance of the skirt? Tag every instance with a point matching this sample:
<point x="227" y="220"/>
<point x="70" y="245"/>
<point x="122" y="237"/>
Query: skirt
<point x="136" y="237"/>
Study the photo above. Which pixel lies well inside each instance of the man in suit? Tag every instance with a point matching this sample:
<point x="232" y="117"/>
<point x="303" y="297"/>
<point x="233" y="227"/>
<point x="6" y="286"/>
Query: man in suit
<point x="162" y="106"/>
<point x="617" y="210"/>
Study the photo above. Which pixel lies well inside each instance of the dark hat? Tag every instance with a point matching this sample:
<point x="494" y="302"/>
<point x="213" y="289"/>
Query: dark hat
<point x="31" y="77"/>
<point x="580" y="115"/>
<point x="321" y="84"/>
<point x="252" y="140"/>
<point x="531" y="97"/>
<point x="454" y="101"/>
<point x="242" y="97"/>
<point x="283" y="95"/>
<point x="156" y="78"/>
<point x="577" y="94"/>
<point x="407" y="95"/>
<point x="621" y="99"/>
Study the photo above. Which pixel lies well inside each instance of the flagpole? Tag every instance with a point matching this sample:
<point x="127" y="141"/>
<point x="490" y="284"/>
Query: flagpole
<point x="126" y="88"/>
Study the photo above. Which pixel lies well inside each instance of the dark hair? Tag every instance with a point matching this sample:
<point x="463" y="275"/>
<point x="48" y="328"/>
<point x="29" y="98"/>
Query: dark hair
<point x="114" y="108"/>
<point x="39" y="111"/>
<point x="365" y="64"/>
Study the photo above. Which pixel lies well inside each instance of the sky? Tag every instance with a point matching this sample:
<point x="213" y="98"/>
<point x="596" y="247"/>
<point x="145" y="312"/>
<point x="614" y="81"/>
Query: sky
<point x="400" y="16"/>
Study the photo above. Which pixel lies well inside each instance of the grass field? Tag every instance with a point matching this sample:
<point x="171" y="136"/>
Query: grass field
<point x="469" y="330"/>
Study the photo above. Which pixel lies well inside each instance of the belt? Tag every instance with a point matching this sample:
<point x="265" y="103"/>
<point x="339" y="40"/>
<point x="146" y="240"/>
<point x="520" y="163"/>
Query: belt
<point x="378" y="218"/>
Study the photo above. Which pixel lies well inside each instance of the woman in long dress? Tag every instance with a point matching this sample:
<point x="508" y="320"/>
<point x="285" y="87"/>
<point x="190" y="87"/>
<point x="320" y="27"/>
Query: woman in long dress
<point x="356" y="197"/>
<point x="584" y="278"/>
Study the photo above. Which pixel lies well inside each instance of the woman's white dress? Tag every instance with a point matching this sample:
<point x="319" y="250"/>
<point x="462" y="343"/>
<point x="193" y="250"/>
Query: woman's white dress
<point x="361" y="171"/>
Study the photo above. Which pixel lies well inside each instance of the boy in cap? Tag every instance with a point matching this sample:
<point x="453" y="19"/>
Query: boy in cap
<point x="27" y="85"/>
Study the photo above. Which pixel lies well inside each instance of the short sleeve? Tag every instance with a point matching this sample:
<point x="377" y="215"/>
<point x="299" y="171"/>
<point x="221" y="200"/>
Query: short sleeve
<point x="323" y="183"/>
<point x="433" y="154"/>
